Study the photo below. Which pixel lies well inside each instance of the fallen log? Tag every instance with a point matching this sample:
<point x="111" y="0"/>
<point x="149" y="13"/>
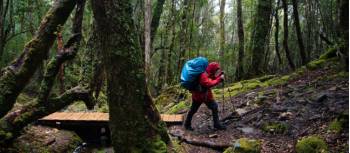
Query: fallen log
<point x="204" y="143"/>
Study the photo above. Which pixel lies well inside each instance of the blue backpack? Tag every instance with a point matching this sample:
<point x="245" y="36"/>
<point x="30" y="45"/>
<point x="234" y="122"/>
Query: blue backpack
<point x="191" y="71"/>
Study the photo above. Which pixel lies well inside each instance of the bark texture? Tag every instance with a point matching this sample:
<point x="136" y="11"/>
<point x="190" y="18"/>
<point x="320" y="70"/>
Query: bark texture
<point x="261" y="27"/>
<point x="134" y="121"/>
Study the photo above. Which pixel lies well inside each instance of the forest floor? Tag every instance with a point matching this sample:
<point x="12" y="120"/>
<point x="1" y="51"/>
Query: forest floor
<point x="314" y="102"/>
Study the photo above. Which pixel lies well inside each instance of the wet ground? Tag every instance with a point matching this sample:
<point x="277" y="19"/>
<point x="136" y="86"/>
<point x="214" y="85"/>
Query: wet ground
<point x="304" y="106"/>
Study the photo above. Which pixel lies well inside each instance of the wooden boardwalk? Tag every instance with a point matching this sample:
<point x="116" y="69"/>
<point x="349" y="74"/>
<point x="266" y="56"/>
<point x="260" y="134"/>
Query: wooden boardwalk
<point x="98" y="117"/>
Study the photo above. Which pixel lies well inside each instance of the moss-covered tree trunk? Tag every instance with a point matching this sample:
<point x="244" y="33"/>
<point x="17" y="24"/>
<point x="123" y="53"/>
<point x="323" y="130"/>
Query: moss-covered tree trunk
<point x="222" y="29"/>
<point x="157" y="13"/>
<point x="12" y="124"/>
<point x="304" y="59"/>
<point x="285" y="34"/>
<point x="344" y="31"/>
<point x="277" y="27"/>
<point x="183" y="37"/>
<point x="259" y="36"/>
<point x="134" y="121"/>
<point x="240" y="30"/>
<point x="16" y="76"/>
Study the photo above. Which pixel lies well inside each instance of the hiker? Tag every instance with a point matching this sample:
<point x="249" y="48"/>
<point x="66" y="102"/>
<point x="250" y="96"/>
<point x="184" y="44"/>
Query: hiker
<point x="202" y="94"/>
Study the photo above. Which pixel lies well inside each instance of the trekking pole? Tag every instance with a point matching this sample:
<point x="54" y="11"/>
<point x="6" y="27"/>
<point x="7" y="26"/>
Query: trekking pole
<point x="223" y="96"/>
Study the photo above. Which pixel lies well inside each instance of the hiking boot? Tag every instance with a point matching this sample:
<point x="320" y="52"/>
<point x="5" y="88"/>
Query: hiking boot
<point x="220" y="127"/>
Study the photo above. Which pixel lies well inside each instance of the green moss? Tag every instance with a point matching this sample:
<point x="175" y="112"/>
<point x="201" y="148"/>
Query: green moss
<point x="332" y="52"/>
<point x="182" y="105"/>
<point x="339" y="123"/>
<point x="245" y="145"/>
<point x="316" y="64"/>
<point x="277" y="81"/>
<point x="311" y="144"/>
<point x="335" y="126"/>
<point x="177" y="147"/>
<point x="274" y="127"/>
<point x="171" y="95"/>
<point x="5" y="135"/>
<point x="155" y="145"/>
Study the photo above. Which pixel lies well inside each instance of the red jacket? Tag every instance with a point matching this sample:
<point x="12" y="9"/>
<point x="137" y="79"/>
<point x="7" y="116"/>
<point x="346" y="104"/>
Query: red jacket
<point x="207" y="80"/>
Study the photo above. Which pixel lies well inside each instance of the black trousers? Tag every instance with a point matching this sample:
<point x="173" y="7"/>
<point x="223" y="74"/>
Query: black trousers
<point x="213" y="106"/>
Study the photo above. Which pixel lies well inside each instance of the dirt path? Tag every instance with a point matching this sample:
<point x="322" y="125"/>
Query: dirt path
<point x="304" y="106"/>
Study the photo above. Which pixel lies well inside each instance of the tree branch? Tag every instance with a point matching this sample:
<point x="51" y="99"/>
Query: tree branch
<point x="33" y="54"/>
<point x="12" y="124"/>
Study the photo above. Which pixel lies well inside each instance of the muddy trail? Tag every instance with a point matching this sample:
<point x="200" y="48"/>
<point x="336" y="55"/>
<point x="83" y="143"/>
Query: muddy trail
<point x="276" y="116"/>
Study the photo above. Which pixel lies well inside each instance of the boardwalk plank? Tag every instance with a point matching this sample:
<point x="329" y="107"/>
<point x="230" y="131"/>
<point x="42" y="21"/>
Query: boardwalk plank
<point x="95" y="116"/>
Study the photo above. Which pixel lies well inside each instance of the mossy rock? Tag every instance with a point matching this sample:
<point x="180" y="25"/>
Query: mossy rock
<point x="311" y="144"/>
<point x="172" y="94"/>
<point x="275" y="127"/>
<point x="331" y="52"/>
<point x="245" y="145"/>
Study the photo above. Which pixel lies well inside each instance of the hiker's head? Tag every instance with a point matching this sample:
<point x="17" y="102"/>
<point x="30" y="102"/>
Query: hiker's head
<point x="212" y="68"/>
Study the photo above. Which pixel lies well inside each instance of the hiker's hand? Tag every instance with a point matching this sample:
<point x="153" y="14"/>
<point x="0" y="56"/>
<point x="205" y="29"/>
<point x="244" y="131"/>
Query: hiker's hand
<point x="222" y="77"/>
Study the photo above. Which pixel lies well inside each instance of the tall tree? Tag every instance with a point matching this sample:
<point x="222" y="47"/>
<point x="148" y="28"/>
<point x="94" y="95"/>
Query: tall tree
<point x="298" y="30"/>
<point x="277" y="26"/>
<point x="285" y="34"/>
<point x="157" y="13"/>
<point x="259" y="36"/>
<point x="343" y="31"/>
<point x="5" y="29"/>
<point x="240" y="31"/>
<point x="222" y="30"/>
<point x="183" y="36"/>
<point x="147" y="35"/>
<point x="134" y="121"/>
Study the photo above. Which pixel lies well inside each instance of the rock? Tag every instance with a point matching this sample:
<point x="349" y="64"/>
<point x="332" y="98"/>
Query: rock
<point x="285" y="116"/>
<point x="321" y="97"/>
<point x="245" y="145"/>
<point x="46" y="139"/>
<point x="241" y="111"/>
<point x="333" y="88"/>
<point x="213" y="135"/>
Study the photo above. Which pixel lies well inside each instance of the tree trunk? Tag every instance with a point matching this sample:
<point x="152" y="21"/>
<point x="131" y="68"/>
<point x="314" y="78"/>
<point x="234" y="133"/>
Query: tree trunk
<point x="277" y="26"/>
<point x="304" y="59"/>
<point x="183" y="37"/>
<point x="147" y="33"/>
<point x="172" y="44"/>
<point x="157" y="13"/>
<point x="4" y="7"/>
<point x="259" y="35"/>
<point x="16" y="76"/>
<point x="13" y="123"/>
<point x="134" y="121"/>
<point x="240" y="31"/>
<point x="222" y="31"/>
<point x="344" y="32"/>
<point x="285" y="34"/>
